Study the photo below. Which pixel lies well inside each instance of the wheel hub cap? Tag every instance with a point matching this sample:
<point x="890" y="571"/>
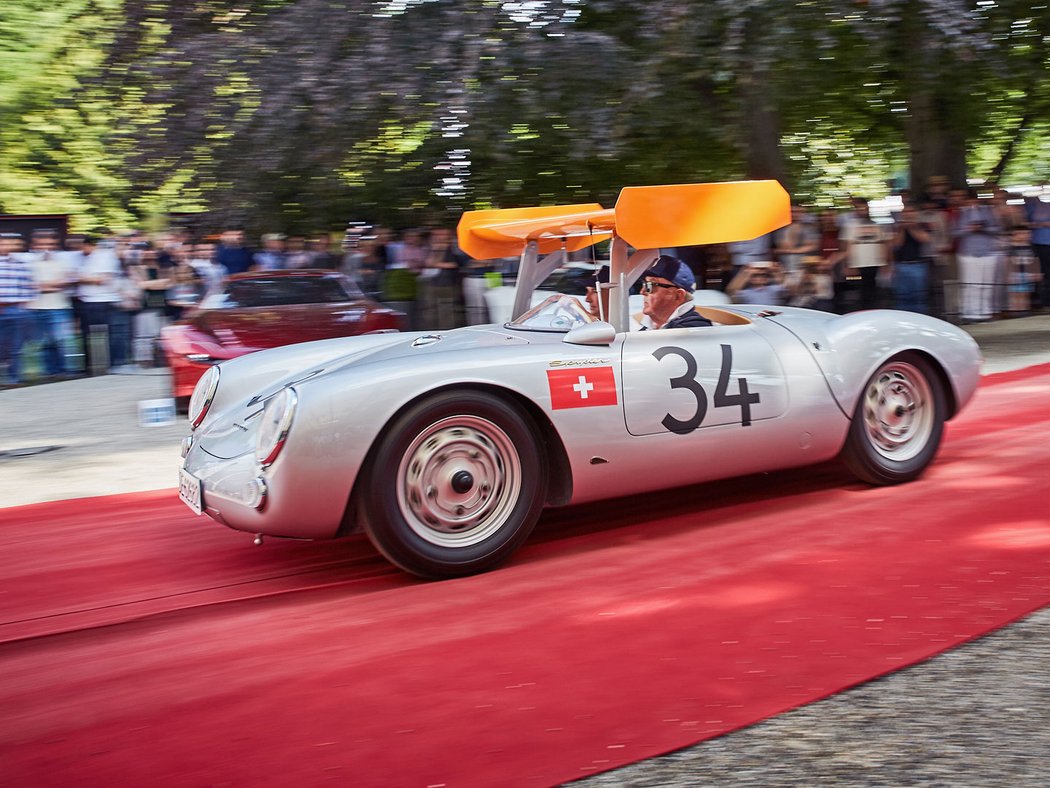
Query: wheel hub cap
<point x="898" y="411"/>
<point x="459" y="481"/>
<point x="462" y="481"/>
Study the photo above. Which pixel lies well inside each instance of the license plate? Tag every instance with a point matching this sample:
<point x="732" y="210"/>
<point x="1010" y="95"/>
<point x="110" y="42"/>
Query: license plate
<point x="190" y="490"/>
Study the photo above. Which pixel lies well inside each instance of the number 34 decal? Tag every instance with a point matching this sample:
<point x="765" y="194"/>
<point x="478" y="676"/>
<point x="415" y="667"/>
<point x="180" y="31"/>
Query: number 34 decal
<point x="743" y="399"/>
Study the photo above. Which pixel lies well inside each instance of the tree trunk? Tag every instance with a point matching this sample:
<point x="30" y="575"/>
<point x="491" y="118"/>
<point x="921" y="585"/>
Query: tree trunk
<point x="759" y="118"/>
<point x="936" y="146"/>
<point x="932" y="78"/>
<point x="761" y="127"/>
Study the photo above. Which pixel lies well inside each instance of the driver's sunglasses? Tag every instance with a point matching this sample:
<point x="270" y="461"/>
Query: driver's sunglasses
<point x="647" y="286"/>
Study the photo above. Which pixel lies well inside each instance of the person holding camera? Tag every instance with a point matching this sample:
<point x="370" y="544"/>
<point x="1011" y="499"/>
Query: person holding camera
<point x="911" y="272"/>
<point x="811" y="286"/>
<point x="759" y="283"/>
<point x="154" y="282"/>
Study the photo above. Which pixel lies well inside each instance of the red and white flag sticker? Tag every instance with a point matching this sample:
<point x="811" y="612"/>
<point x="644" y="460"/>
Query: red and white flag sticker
<point x="582" y="387"/>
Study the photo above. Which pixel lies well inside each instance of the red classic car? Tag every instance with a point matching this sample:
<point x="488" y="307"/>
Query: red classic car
<point x="255" y="311"/>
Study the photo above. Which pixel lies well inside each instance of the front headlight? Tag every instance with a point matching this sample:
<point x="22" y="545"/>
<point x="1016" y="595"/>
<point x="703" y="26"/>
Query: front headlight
<point x="203" y="396"/>
<point x="273" y="430"/>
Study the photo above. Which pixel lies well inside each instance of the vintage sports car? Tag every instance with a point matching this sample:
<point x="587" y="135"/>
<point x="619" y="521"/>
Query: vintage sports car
<point x="260" y="310"/>
<point x="444" y="447"/>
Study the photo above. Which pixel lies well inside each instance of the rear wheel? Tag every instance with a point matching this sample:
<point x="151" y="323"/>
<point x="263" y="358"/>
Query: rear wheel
<point x="898" y="422"/>
<point x="455" y="486"/>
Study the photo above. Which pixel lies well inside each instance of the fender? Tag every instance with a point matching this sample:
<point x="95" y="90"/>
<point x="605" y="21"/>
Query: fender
<point x="849" y="348"/>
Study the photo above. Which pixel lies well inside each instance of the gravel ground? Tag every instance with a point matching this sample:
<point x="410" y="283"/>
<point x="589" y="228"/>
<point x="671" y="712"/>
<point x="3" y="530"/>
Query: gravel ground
<point x="978" y="715"/>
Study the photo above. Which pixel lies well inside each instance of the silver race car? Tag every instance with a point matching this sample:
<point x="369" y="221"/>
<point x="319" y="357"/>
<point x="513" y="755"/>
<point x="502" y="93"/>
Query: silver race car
<point x="444" y="447"/>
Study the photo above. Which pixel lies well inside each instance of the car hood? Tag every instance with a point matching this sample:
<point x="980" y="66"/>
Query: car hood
<point x="247" y="382"/>
<point x="383" y="347"/>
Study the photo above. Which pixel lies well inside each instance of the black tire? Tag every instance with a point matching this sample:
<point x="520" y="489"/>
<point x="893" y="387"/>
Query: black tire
<point x="455" y="485"/>
<point x="182" y="405"/>
<point x="898" y="422"/>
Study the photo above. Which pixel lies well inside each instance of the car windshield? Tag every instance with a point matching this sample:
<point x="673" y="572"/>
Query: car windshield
<point x="559" y="313"/>
<point x="572" y="279"/>
<point x="282" y="291"/>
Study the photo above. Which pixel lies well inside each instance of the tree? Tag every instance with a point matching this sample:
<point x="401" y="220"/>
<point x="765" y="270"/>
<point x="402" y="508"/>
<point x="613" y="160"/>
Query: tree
<point x="298" y="115"/>
<point x="55" y="121"/>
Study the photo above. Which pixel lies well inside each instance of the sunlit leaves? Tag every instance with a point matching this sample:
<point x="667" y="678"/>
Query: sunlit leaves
<point x="298" y="114"/>
<point x="55" y="121"/>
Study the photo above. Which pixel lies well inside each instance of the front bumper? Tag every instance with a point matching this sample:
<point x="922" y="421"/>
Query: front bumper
<point x="238" y="493"/>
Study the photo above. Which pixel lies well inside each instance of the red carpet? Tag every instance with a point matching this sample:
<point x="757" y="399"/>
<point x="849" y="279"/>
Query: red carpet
<point x="141" y="646"/>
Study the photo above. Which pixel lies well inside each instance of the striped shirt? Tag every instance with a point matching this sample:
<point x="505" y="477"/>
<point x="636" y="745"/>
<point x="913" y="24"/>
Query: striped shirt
<point x="16" y="281"/>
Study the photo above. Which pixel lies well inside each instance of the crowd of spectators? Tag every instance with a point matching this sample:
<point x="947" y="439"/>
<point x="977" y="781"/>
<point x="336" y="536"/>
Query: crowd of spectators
<point x="963" y="254"/>
<point x="98" y="302"/>
<point x="955" y="253"/>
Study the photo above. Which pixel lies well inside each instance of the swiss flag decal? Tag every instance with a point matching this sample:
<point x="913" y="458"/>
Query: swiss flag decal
<point x="581" y="387"/>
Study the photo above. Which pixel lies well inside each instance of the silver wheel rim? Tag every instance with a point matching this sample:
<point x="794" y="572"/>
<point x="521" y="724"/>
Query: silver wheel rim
<point x="459" y="481"/>
<point x="898" y="411"/>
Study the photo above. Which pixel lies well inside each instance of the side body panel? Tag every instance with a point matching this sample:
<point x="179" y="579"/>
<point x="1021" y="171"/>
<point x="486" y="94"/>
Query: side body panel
<point x="680" y="378"/>
<point x="802" y="426"/>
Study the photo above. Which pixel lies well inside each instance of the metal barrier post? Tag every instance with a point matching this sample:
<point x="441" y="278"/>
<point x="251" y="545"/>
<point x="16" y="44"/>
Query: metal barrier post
<point x="99" y="349"/>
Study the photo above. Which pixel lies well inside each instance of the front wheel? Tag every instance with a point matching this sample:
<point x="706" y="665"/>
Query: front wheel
<point x="898" y="422"/>
<point x="455" y="486"/>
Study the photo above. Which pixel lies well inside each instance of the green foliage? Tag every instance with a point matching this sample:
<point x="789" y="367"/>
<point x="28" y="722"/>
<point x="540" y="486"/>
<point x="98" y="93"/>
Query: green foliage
<point x="55" y="120"/>
<point x="298" y="115"/>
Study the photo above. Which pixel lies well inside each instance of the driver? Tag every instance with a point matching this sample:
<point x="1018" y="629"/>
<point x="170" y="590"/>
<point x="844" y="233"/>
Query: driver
<point x="600" y="290"/>
<point x="601" y="277"/>
<point x="667" y="288"/>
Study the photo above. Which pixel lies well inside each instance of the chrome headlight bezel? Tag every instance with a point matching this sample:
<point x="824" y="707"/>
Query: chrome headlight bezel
<point x="274" y="425"/>
<point x="203" y="396"/>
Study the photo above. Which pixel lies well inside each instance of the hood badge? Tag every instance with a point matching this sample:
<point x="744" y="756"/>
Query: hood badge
<point x="426" y="339"/>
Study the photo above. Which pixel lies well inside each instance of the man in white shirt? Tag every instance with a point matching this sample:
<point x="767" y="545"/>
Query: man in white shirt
<point x="99" y="295"/>
<point x="211" y="273"/>
<point x="52" y="309"/>
<point x="864" y="244"/>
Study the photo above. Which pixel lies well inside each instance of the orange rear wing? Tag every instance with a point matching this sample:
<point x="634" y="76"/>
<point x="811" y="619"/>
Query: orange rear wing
<point x="651" y="217"/>
<point x="646" y="217"/>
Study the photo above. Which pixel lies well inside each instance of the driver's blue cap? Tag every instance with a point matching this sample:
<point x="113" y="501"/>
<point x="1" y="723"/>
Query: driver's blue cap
<point x="674" y="271"/>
